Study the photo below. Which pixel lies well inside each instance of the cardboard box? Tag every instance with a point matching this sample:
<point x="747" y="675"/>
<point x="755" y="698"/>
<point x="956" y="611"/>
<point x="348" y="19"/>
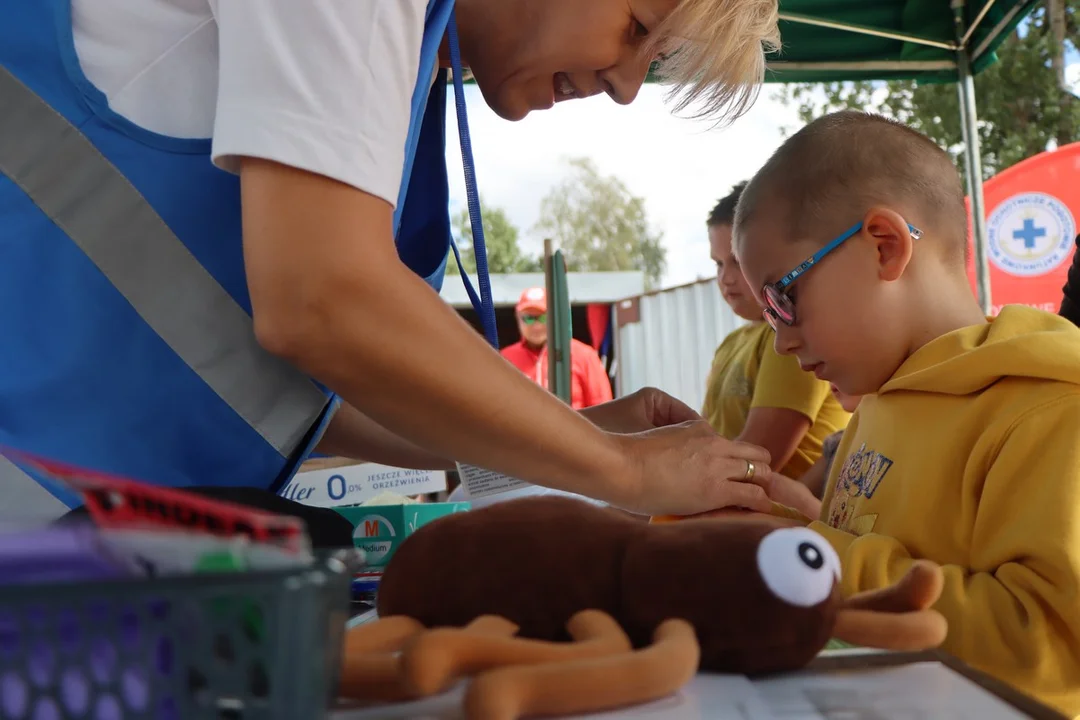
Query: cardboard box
<point x="333" y="484"/>
<point x="380" y="529"/>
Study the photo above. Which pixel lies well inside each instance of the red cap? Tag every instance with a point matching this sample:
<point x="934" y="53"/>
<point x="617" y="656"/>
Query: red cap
<point x="533" y="299"/>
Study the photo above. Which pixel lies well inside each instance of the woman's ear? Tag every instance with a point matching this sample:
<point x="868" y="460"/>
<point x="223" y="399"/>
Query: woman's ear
<point x="892" y="241"/>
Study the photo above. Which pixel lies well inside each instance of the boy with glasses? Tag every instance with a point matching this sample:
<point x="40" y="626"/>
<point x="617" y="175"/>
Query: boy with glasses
<point x="753" y="394"/>
<point x="965" y="448"/>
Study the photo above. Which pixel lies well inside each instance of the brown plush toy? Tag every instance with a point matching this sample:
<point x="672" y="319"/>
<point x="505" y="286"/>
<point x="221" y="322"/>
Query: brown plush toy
<point x="658" y="600"/>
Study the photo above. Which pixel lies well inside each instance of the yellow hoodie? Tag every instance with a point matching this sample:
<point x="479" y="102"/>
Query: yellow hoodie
<point x="970" y="456"/>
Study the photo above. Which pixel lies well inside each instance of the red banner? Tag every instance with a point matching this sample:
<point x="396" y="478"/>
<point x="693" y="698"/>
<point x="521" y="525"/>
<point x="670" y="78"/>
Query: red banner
<point x="598" y="314"/>
<point x="1031" y="226"/>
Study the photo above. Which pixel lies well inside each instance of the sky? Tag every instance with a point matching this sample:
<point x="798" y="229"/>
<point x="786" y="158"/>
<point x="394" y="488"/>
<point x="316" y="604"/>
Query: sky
<point x="679" y="166"/>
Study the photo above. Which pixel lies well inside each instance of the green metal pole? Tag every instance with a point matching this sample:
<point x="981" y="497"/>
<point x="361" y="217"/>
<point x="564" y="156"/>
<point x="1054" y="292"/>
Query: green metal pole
<point x="559" y="323"/>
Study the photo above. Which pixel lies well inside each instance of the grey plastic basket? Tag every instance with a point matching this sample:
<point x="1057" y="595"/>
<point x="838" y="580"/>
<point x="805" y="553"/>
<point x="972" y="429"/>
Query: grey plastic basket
<point x="251" y="646"/>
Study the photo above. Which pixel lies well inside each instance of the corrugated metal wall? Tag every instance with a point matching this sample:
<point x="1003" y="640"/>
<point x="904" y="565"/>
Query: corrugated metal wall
<point x="667" y="339"/>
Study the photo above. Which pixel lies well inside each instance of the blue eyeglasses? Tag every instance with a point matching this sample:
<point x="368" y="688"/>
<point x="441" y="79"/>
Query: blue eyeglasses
<point x="780" y="308"/>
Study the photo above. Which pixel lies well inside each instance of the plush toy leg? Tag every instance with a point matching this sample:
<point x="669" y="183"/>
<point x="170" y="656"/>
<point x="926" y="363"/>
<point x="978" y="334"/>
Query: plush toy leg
<point x="898" y="617"/>
<point x="909" y="632"/>
<point x="434" y="660"/>
<point x="384" y="635"/>
<point x="371" y="667"/>
<point x="919" y="589"/>
<point x="492" y="625"/>
<point x="588" y="685"/>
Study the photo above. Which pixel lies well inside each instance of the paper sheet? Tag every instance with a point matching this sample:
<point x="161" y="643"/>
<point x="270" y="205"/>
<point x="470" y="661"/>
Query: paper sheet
<point x="916" y="691"/>
<point x="730" y="697"/>
<point x="908" y="692"/>
<point x="920" y="691"/>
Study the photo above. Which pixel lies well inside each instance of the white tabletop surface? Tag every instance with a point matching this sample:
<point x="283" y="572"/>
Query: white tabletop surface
<point x="910" y="692"/>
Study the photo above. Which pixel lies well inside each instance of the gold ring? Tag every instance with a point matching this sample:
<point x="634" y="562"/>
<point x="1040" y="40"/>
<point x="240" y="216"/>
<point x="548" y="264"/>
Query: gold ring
<point x="750" y="470"/>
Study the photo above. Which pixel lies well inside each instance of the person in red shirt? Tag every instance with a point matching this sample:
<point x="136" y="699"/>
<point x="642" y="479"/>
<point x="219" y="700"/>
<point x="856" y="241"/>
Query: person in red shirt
<point x="589" y="384"/>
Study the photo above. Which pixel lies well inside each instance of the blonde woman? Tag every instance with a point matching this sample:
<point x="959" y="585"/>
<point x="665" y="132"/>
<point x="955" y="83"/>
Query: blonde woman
<point x="240" y="209"/>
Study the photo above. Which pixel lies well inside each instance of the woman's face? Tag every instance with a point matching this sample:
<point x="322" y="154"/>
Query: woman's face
<point x="530" y="54"/>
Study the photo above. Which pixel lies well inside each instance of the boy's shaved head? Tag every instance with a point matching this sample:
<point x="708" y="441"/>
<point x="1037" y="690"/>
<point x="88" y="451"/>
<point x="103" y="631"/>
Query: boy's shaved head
<point x="844" y="163"/>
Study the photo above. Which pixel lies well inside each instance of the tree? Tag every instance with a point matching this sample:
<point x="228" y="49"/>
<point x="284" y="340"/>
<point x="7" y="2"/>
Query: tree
<point x="600" y="225"/>
<point x="504" y="255"/>
<point x="1023" y="102"/>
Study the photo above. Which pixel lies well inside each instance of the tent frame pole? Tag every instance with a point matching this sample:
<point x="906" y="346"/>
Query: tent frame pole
<point x="866" y="30"/>
<point x="972" y="162"/>
<point x="969" y="126"/>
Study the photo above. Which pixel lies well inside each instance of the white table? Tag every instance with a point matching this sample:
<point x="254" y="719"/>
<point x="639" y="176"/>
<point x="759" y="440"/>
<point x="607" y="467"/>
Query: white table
<point x="910" y="692"/>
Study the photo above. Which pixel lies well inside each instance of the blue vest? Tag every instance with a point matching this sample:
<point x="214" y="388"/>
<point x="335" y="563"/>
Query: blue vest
<point x="126" y="342"/>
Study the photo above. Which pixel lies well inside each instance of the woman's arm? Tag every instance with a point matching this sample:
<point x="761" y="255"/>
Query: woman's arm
<point x="330" y="295"/>
<point x="353" y="434"/>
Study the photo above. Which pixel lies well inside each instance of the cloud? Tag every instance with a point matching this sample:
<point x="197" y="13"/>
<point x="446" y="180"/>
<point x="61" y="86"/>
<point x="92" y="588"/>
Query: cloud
<point x="1072" y="73"/>
<point x="679" y="166"/>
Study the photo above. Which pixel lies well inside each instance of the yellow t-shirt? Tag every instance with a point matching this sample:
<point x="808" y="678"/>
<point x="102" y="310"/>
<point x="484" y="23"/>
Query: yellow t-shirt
<point x="970" y="456"/>
<point x="747" y="373"/>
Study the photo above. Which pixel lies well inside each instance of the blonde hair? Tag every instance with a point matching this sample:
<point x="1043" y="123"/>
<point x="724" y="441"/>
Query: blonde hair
<point x="713" y="53"/>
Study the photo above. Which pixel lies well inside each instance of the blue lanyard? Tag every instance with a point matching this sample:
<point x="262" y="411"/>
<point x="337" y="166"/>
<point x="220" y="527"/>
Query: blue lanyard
<point x="483" y="304"/>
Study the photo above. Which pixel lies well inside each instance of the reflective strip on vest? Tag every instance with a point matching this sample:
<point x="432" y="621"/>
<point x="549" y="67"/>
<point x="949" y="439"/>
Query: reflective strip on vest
<point x="122" y="234"/>
<point x="20" y="493"/>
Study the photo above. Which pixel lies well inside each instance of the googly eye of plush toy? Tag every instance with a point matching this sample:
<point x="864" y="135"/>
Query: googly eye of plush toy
<point x="798" y="566"/>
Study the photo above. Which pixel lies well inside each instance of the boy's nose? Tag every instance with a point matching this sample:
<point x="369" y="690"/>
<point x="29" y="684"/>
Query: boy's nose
<point x="787" y="340"/>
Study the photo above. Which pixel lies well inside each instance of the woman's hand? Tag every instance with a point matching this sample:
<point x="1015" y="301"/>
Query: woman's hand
<point x="687" y="468"/>
<point x="645" y="409"/>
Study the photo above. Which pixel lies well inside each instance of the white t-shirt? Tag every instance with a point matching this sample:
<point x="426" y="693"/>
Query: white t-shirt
<point x="322" y="85"/>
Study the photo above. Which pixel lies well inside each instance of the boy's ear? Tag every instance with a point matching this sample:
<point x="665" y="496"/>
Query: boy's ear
<point x="892" y="241"/>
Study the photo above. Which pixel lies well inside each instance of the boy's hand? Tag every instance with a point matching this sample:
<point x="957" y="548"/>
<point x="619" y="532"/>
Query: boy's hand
<point x="786" y="491"/>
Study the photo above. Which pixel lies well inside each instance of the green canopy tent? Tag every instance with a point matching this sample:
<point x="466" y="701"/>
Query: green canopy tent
<point x="923" y="40"/>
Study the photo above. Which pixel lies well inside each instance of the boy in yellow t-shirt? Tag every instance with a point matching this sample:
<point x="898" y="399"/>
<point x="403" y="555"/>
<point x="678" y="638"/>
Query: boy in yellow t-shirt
<point x="814" y="478"/>
<point x="753" y="394"/>
<point x="964" y="449"/>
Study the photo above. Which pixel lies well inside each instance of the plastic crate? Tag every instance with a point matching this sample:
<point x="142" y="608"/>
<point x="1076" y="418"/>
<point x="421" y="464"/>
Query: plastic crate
<point x="251" y="646"/>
